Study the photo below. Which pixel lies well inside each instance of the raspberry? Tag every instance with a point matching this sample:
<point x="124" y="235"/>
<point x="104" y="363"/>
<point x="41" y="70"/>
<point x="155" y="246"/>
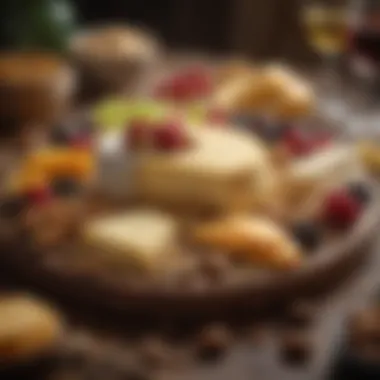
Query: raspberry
<point x="39" y="195"/>
<point x="299" y="143"/>
<point x="169" y="136"/>
<point x="341" y="209"/>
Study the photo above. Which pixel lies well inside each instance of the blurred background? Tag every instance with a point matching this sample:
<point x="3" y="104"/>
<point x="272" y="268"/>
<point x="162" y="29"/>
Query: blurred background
<point x="259" y="28"/>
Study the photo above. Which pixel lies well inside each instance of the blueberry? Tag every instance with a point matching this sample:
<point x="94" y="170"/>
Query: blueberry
<point x="307" y="234"/>
<point x="360" y="191"/>
<point x="272" y="132"/>
<point x="12" y="206"/>
<point x="66" y="187"/>
<point x="61" y="136"/>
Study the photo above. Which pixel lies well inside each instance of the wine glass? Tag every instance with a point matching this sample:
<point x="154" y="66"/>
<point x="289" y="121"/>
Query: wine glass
<point x="365" y="64"/>
<point x="326" y="26"/>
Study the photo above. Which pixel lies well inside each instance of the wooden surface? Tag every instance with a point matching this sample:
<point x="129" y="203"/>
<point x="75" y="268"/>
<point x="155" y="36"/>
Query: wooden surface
<point x="247" y="361"/>
<point x="255" y="28"/>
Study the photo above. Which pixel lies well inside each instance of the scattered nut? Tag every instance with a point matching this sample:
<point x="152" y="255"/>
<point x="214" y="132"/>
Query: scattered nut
<point x="137" y="373"/>
<point x="258" y="334"/>
<point x="301" y="314"/>
<point x="53" y="222"/>
<point x="213" y="341"/>
<point x="296" y="348"/>
<point x="364" y="327"/>
<point x="214" y="266"/>
<point x="154" y="353"/>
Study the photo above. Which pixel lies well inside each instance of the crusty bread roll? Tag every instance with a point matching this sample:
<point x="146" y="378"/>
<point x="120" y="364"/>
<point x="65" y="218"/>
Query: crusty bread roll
<point x="272" y="89"/>
<point x="29" y="328"/>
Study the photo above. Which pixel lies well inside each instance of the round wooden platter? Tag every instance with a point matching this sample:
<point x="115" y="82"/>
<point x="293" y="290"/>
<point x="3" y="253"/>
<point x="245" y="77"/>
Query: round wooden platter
<point x="320" y="272"/>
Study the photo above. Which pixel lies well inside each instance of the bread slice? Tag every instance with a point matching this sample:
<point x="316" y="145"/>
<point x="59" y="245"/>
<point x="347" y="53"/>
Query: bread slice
<point x="309" y="179"/>
<point x="273" y="88"/>
<point x="258" y="240"/>
<point x="28" y="328"/>
<point x="141" y="238"/>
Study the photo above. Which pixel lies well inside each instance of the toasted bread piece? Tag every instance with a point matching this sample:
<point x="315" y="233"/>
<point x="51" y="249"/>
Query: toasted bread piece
<point x="273" y="89"/>
<point x="258" y="240"/>
<point x="291" y="96"/>
<point x="28" y="328"/>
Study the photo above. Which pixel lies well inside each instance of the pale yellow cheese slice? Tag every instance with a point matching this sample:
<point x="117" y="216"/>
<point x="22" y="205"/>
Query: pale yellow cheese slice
<point x="141" y="238"/>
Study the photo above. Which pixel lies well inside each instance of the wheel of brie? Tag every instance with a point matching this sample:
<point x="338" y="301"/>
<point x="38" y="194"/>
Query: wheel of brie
<point x="161" y="215"/>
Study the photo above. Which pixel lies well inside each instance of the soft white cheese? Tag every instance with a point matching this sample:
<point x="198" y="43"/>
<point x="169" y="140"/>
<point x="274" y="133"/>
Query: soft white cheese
<point x="142" y="238"/>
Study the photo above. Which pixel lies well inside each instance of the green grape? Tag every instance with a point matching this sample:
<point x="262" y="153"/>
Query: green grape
<point x="116" y="113"/>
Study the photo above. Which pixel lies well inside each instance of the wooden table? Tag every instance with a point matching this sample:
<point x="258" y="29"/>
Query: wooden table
<point x="247" y="361"/>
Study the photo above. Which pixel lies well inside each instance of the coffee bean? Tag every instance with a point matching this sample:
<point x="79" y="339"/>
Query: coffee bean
<point x="213" y="342"/>
<point x="66" y="187"/>
<point x="258" y="334"/>
<point x="364" y="327"/>
<point x="307" y="234"/>
<point x="61" y="135"/>
<point x="13" y="206"/>
<point x="296" y="348"/>
<point x="154" y="353"/>
<point x="215" y="267"/>
<point x="137" y="373"/>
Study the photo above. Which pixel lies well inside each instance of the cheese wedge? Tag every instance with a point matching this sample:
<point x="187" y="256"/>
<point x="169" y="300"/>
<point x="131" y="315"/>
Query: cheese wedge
<point x="309" y="179"/>
<point x="141" y="238"/>
<point x="260" y="241"/>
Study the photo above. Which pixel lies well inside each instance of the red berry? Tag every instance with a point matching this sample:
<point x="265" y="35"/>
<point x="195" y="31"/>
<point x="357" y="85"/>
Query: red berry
<point x="323" y="140"/>
<point x="137" y="134"/>
<point x="82" y="142"/>
<point x="187" y="85"/>
<point x="296" y="142"/>
<point x="199" y="82"/>
<point x="300" y="143"/>
<point x="169" y="136"/>
<point x="341" y="209"/>
<point x="180" y="89"/>
<point x="39" y="195"/>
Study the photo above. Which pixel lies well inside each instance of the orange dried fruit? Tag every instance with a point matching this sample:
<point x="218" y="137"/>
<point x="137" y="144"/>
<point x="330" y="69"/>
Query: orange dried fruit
<point x="26" y="179"/>
<point x="63" y="162"/>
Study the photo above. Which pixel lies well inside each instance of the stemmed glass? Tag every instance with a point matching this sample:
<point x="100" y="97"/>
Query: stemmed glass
<point x="326" y="26"/>
<point x="364" y="60"/>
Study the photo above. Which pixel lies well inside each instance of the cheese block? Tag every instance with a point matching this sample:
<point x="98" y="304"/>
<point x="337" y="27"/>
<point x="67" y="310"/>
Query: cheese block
<point x="142" y="238"/>
<point x="308" y="179"/>
<point x="223" y="168"/>
<point x="258" y="240"/>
